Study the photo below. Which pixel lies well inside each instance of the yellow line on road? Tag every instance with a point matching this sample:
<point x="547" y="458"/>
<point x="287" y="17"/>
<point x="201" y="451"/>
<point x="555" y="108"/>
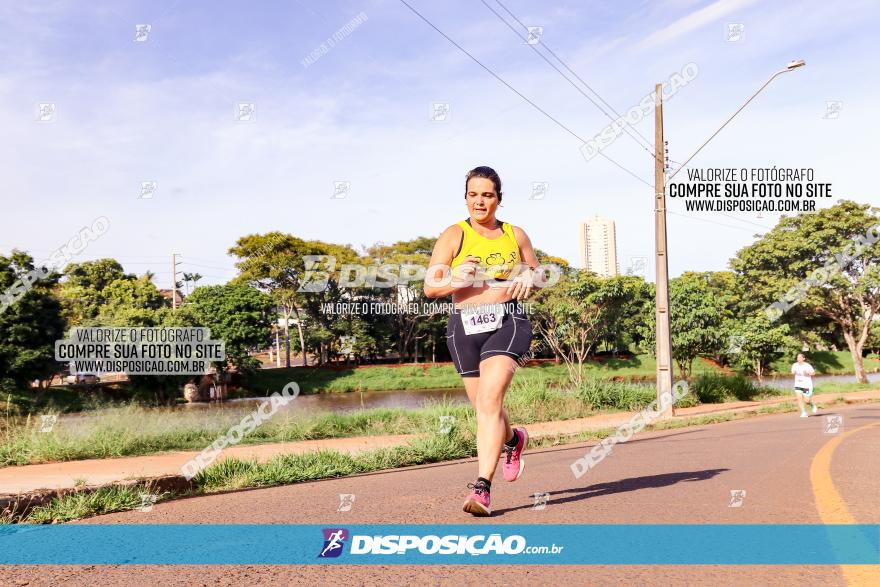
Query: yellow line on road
<point x="832" y="508"/>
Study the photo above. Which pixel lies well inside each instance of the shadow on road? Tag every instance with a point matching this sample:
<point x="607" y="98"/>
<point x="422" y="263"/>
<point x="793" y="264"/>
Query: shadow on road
<point x="623" y="485"/>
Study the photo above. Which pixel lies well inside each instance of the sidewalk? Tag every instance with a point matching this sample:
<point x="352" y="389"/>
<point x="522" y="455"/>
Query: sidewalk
<point x="95" y="472"/>
<point x="63" y="475"/>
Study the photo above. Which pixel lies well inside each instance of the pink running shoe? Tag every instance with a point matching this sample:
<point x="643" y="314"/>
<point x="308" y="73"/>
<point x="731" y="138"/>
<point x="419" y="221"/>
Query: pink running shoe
<point x="478" y="501"/>
<point x="513" y="464"/>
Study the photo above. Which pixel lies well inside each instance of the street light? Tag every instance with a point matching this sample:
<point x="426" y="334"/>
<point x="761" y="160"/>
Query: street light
<point x="790" y="67"/>
<point x="662" y="321"/>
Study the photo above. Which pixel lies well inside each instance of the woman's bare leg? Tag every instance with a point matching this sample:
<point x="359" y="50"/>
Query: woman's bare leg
<point x="493" y="427"/>
<point x="471" y="384"/>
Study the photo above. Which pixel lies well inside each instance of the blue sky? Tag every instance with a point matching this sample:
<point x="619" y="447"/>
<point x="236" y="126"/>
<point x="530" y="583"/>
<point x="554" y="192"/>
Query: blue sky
<point x="163" y="110"/>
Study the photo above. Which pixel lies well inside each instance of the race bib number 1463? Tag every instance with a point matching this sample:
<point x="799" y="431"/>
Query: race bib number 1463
<point x="482" y="318"/>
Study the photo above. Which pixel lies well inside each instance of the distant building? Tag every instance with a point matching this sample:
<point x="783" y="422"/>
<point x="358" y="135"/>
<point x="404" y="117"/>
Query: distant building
<point x="599" y="246"/>
<point x="168" y="294"/>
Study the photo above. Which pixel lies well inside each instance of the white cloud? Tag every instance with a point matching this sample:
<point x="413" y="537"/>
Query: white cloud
<point x="693" y="21"/>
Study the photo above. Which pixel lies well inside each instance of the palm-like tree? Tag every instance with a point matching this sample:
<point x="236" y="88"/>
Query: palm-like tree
<point x="190" y="278"/>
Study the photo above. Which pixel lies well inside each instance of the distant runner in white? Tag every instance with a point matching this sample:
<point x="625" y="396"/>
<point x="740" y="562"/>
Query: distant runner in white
<point x="803" y="383"/>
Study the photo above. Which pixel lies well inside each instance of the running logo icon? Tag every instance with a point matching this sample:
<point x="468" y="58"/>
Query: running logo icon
<point x="334" y="541"/>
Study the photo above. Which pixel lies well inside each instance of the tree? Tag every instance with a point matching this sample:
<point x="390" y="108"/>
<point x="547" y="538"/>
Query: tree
<point x="30" y="326"/>
<point x="237" y="314"/>
<point x="754" y="343"/>
<point x="623" y="297"/>
<point x="569" y="316"/>
<point x="83" y="289"/>
<point x="410" y="327"/>
<point x="822" y="264"/>
<point x="695" y="319"/>
<point x="164" y="389"/>
<point x="190" y="278"/>
<point x="129" y="302"/>
<point x="274" y="263"/>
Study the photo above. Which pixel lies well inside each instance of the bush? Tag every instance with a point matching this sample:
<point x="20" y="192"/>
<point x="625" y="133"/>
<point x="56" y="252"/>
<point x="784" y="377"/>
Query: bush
<point x="715" y="388"/>
<point x="605" y="394"/>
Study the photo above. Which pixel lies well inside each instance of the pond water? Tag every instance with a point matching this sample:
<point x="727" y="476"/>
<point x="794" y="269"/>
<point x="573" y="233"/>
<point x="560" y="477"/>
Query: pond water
<point x="414" y="399"/>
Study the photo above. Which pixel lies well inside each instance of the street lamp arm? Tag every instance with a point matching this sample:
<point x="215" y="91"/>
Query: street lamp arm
<point x="752" y="97"/>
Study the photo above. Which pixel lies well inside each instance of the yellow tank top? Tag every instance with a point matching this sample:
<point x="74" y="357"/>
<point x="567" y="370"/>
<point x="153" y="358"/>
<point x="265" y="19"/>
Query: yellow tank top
<point x="497" y="256"/>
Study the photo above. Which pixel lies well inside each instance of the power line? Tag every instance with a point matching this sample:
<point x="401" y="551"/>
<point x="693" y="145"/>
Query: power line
<point x="647" y="146"/>
<point x="517" y="92"/>
<point x="580" y="79"/>
<point x="668" y="211"/>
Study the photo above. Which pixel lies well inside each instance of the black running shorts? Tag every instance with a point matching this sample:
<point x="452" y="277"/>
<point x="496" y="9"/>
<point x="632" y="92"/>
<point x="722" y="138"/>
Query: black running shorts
<point x="511" y="339"/>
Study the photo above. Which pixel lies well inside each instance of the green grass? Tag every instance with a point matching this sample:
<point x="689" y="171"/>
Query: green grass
<point x="380" y="378"/>
<point x="430" y="376"/>
<point x="231" y="474"/>
<point x="712" y="388"/>
<point x="74" y="506"/>
<point x="825" y="363"/>
<point x="63" y="399"/>
<point x="295" y="468"/>
<point x="133" y="430"/>
<point x="842" y="387"/>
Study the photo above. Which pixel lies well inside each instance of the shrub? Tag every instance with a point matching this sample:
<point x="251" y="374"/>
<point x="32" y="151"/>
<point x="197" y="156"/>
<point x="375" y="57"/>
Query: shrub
<point x="714" y="388"/>
<point x="605" y="394"/>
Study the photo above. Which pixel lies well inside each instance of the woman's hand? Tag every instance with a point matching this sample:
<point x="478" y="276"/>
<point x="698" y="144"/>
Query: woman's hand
<point x="463" y="275"/>
<point x="521" y="285"/>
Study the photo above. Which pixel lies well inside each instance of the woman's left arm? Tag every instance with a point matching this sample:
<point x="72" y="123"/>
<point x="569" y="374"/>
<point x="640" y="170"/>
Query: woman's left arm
<point x="526" y="252"/>
<point x="524" y="282"/>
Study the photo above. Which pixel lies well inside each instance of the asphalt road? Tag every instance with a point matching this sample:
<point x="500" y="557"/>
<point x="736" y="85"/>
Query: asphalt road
<point x="791" y="469"/>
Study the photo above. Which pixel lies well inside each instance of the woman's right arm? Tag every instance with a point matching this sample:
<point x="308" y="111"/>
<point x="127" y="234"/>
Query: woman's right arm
<point x="444" y="251"/>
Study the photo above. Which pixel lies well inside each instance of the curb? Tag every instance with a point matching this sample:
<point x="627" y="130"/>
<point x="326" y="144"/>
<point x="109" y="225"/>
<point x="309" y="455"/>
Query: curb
<point x="19" y="506"/>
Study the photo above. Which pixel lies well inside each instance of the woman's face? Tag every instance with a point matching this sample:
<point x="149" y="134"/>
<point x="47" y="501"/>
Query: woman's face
<point x="481" y="198"/>
<point x="801" y="358"/>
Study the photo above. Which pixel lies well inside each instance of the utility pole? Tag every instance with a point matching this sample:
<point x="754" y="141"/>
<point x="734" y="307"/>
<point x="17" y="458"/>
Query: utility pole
<point x="664" y="338"/>
<point x="174" y="265"/>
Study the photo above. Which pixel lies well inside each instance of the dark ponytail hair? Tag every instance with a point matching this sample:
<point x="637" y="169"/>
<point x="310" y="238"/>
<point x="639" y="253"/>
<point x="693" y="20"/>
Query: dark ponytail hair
<point x="487" y="173"/>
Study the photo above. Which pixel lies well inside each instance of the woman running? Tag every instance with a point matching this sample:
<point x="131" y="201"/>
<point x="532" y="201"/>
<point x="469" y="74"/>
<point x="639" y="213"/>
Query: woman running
<point x="488" y="331"/>
<point x="803" y="383"/>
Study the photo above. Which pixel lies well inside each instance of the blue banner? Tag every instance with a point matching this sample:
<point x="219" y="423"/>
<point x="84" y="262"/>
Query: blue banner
<point x="625" y="544"/>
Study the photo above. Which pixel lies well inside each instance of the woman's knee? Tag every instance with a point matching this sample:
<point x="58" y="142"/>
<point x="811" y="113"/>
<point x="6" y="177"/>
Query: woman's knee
<point x="489" y="403"/>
